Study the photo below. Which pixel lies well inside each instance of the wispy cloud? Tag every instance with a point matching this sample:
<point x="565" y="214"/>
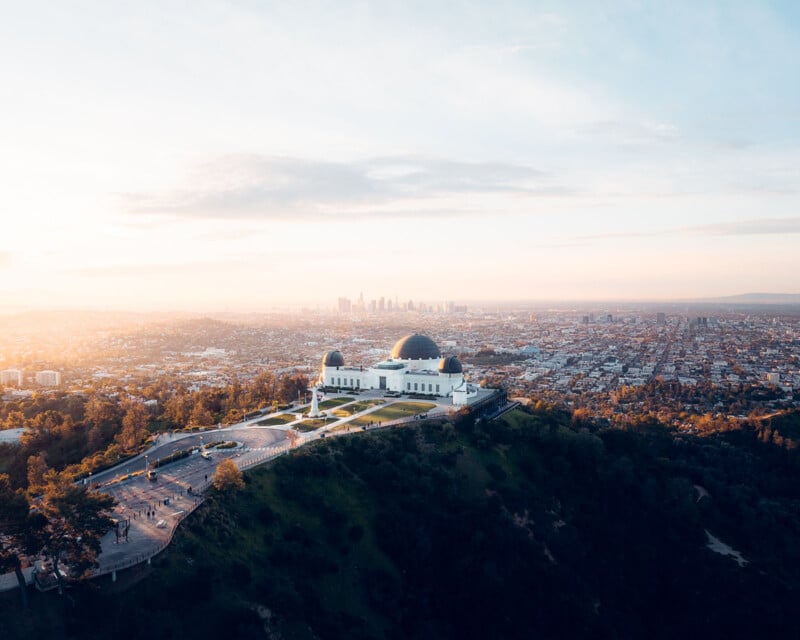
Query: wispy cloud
<point x="766" y="226"/>
<point x="752" y="227"/>
<point x="265" y="187"/>
<point x="629" y="133"/>
<point x="149" y="270"/>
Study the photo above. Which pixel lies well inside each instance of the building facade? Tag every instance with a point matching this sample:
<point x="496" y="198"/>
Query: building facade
<point x="415" y="366"/>
<point x="11" y="377"/>
<point x="48" y="378"/>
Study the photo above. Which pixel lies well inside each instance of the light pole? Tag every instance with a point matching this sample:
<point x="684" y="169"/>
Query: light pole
<point x="146" y="464"/>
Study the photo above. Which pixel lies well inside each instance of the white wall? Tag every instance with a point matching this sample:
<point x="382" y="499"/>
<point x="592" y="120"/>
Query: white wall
<point x="396" y="379"/>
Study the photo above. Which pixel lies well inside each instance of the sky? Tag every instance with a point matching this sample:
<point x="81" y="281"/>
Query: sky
<point x="221" y="155"/>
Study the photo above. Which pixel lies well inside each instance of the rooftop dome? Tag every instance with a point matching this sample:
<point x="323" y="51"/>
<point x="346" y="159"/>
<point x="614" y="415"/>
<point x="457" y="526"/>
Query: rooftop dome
<point x="333" y="359"/>
<point x="450" y="364"/>
<point x="415" y="347"/>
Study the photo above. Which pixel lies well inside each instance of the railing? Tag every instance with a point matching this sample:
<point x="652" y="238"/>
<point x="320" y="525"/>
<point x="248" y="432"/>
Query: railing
<point x="271" y="453"/>
<point x="503" y="410"/>
<point x="142" y="557"/>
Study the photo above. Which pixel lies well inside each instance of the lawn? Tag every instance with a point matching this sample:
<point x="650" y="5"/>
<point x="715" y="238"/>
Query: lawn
<point x="281" y="418"/>
<point x="393" y="412"/>
<point x="334" y="402"/>
<point x="315" y="423"/>
<point x="356" y="407"/>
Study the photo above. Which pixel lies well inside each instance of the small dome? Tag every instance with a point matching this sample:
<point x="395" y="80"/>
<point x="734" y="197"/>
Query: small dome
<point x="450" y="364"/>
<point x="333" y="359"/>
<point x="415" y="347"/>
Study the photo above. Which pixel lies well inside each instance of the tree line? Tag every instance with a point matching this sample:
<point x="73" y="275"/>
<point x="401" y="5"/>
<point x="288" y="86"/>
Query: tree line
<point x="84" y="432"/>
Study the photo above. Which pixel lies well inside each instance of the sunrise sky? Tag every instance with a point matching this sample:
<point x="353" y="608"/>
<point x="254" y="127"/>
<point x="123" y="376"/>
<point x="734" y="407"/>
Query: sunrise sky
<point x="240" y="155"/>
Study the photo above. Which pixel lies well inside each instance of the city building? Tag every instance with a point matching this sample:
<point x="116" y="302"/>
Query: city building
<point x="415" y="366"/>
<point x="48" y="378"/>
<point x="11" y="377"/>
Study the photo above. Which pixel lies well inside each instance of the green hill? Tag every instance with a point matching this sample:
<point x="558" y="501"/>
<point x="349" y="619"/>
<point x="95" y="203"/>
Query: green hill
<point x="520" y="528"/>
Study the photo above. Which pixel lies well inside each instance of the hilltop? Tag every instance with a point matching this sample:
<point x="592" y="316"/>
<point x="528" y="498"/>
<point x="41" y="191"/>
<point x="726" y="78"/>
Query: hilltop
<point x="528" y="526"/>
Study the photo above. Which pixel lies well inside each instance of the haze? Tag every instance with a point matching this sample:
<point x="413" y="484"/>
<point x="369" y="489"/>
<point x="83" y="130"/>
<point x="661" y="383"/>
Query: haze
<point x="241" y="155"/>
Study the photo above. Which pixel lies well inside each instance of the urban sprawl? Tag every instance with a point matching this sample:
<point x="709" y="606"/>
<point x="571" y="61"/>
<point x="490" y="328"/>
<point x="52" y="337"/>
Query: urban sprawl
<point x="724" y="363"/>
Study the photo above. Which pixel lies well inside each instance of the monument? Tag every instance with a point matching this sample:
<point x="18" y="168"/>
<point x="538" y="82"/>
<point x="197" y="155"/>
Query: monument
<point x="314" y="413"/>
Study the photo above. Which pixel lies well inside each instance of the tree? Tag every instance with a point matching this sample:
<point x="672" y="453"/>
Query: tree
<point x="100" y="411"/>
<point x="37" y="467"/>
<point x="15" y="420"/>
<point x="228" y="477"/>
<point x="71" y="522"/>
<point x="177" y="408"/>
<point x="201" y="416"/>
<point x="102" y="416"/>
<point x="292" y="387"/>
<point x="134" y="426"/>
<point x="262" y="389"/>
<point x="14" y="512"/>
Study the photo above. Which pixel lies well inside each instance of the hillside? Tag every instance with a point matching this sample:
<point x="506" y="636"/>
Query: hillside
<point x="523" y="527"/>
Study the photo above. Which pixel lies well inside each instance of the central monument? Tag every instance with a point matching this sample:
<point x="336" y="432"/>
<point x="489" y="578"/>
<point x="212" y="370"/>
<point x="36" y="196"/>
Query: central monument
<point x="314" y="413"/>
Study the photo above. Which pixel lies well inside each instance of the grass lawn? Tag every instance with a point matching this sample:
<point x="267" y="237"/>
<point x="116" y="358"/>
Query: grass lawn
<point x="315" y="423"/>
<point x="393" y="412"/>
<point x="282" y="418"/>
<point x="334" y="402"/>
<point x="356" y="407"/>
<point x="517" y="417"/>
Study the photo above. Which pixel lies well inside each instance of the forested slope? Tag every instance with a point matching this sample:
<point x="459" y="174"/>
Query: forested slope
<point x="522" y="527"/>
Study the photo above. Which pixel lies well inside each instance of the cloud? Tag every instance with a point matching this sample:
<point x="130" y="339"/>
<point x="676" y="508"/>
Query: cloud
<point x="766" y="226"/>
<point x="757" y="226"/>
<point x="5" y="259"/>
<point x="629" y="133"/>
<point x="149" y="270"/>
<point x="278" y="188"/>
<point x="734" y="144"/>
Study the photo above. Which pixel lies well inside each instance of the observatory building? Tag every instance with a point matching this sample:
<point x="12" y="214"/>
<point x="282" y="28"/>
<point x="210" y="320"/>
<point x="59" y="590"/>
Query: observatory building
<point x="415" y="366"/>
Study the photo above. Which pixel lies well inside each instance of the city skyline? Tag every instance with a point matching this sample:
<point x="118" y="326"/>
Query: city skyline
<point x="244" y="156"/>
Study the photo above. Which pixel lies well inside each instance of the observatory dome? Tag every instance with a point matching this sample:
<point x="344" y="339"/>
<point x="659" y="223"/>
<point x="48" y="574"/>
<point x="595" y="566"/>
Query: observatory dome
<point x="333" y="359"/>
<point x="415" y="347"/>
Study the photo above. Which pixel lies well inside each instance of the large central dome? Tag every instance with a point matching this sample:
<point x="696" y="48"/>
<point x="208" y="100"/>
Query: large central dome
<point x="415" y="347"/>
